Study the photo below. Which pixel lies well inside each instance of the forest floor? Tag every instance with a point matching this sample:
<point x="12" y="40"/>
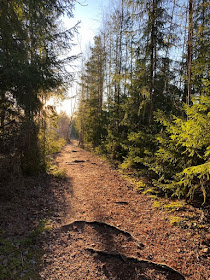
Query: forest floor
<point x="97" y="226"/>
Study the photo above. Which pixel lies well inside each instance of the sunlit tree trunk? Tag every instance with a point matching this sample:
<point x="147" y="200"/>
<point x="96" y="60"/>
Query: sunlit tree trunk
<point x="189" y="50"/>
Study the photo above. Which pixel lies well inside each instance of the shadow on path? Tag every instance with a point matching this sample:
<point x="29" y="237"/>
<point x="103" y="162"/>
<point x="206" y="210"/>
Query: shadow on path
<point x="117" y="252"/>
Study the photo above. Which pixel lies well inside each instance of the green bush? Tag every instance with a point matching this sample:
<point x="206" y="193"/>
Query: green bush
<point x="182" y="161"/>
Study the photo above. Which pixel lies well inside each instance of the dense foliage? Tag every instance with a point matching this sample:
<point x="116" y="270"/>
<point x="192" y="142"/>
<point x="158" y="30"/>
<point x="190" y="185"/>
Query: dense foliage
<point x="145" y="92"/>
<point x="31" y="36"/>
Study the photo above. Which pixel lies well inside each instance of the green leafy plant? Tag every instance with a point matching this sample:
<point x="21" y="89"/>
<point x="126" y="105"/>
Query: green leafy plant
<point x="20" y="257"/>
<point x="57" y="172"/>
<point x="175" y="221"/>
<point x="170" y="206"/>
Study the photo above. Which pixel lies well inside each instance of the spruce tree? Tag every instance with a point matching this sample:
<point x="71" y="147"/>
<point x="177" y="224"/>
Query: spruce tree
<point x="29" y="65"/>
<point x="91" y="100"/>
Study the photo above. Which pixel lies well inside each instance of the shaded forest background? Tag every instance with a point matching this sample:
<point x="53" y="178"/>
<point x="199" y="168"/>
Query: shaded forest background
<point x="144" y="95"/>
<point x="34" y="58"/>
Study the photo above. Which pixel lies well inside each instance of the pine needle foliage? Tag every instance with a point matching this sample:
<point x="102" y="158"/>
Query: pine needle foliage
<point x="182" y="160"/>
<point x="154" y="115"/>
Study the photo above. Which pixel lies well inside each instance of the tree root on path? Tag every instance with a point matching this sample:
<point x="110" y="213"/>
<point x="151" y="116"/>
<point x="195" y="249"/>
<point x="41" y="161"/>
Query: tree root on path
<point x="121" y="202"/>
<point x="130" y="262"/>
<point x="80" y="225"/>
<point x="172" y="274"/>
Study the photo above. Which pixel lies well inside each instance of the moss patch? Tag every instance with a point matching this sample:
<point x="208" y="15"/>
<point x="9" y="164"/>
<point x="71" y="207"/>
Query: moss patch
<point x="20" y="258"/>
<point x="57" y="172"/>
<point x="171" y="206"/>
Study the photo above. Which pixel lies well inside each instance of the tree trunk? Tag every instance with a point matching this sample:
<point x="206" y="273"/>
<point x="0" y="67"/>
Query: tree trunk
<point x="2" y="112"/>
<point x="152" y="49"/>
<point x="189" y="50"/>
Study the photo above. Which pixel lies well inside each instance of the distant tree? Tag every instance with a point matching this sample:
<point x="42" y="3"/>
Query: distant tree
<point x="63" y="126"/>
<point x="91" y="102"/>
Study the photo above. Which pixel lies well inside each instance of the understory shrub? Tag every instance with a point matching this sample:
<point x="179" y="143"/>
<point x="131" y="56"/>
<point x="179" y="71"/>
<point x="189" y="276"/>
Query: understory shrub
<point x="182" y="160"/>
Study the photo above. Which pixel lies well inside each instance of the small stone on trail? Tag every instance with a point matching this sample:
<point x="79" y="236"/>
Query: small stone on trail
<point x="205" y="250"/>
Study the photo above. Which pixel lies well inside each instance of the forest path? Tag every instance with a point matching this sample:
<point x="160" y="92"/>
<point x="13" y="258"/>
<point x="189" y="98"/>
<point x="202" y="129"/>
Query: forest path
<point x="107" y="230"/>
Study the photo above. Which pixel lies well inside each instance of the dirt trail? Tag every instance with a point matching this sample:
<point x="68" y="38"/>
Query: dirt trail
<point x="109" y="231"/>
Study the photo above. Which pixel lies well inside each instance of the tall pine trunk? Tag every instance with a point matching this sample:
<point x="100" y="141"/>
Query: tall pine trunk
<point x="152" y="51"/>
<point x="189" y="51"/>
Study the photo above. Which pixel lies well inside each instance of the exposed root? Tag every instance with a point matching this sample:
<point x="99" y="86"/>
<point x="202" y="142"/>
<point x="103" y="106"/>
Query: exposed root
<point x="80" y="225"/>
<point x="121" y="202"/>
<point x="172" y="274"/>
<point x="168" y="272"/>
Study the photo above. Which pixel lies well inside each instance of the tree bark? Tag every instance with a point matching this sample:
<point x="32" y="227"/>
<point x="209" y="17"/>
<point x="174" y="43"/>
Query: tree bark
<point x="189" y="51"/>
<point x="152" y="49"/>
